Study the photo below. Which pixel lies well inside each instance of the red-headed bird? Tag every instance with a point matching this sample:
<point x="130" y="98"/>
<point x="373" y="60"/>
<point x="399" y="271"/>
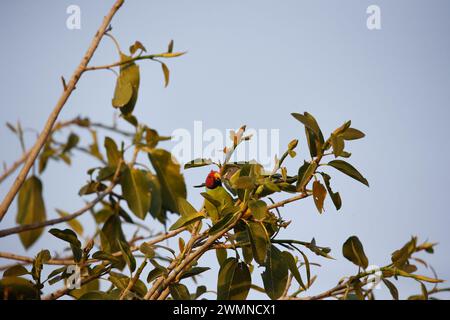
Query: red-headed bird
<point x="213" y="180"/>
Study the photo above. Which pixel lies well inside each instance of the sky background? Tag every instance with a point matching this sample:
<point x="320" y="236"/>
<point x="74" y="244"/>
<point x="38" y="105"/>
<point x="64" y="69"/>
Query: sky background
<point x="255" y="62"/>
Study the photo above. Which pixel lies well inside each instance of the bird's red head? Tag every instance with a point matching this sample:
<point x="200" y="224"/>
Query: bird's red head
<point x="213" y="180"/>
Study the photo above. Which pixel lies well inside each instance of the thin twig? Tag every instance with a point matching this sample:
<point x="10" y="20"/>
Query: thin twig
<point x="87" y="207"/>
<point x="157" y="239"/>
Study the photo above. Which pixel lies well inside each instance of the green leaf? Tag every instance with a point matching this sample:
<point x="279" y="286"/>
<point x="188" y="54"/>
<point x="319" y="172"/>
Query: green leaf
<point x="147" y="249"/>
<point x="179" y="291"/>
<point x="111" y="233"/>
<point x="136" y="191"/>
<point x="95" y="295"/>
<point x="156" y="198"/>
<point x="234" y="280"/>
<point x="127" y="86"/>
<point x="216" y="200"/>
<point x="310" y="123"/>
<point x="136" y="46"/>
<point x="244" y="182"/>
<point x="259" y="241"/>
<point x="195" y="271"/>
<point x="226" y="221"/>
<point x="170" y="178"/>
<point x="353" y="250"/>
<point x="31" y="209"/>
<point x="349" y="170"/>
<point x="275" y="276"/>
<point x="71" y="143"/>
<point x="400" y="257"/>
<point x="197" y="163"/>
<point x="319" y="194"/>
<point x="221" y="255"/>
<point x="258" y="208"/>
<point x="15" y="271"/>
<point x="187" y="220"/>
<point x="335" y="196"/>
<point x="352" y="134"/>
<point x="127" y="255"/>
<point x="170" y="47"/>
<point x="305" y="173"/>
<point x="112" y="152"/>
<point x="70" y="237"/>
<point x="101" y="255"/>
<point x="91" y="286"/>
<point x="73" y="223"/>
<point x="41" y="258"/>
<point x="17" y="289"/>
<point x="292" y="265"/>
<point x="338" y="145"/>
<point x="392" y="288"/>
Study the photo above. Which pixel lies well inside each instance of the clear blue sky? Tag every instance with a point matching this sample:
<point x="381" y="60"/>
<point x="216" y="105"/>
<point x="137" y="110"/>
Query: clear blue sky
<point x="254" y="63"/>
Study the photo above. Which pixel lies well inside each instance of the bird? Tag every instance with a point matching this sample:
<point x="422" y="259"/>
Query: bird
<point x="213" y="180"/>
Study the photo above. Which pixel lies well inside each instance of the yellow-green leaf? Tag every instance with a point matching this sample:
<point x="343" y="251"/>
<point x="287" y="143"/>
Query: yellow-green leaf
<point x="31" y="209"/>
<point x="136" y="191"/>
<point x="170" y="178"/>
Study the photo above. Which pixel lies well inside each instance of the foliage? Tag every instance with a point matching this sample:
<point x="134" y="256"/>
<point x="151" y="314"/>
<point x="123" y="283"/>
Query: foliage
<point x="237" y="217"/>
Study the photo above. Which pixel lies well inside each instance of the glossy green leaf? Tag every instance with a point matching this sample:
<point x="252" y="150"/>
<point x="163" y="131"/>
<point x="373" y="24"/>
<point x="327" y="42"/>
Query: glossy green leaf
<point x="353" y="250"/>
<point x="349" y="170"/>
<point x="309" y="122"/>
<point x="179" y="291"/>
<point x="31" y="209"/>
<point x="70" y="237"/>
<point x="292" y="265"/>
<point x="352" y="134"/>
<point x="234" y="280"/>
<point x="275" y="276"/>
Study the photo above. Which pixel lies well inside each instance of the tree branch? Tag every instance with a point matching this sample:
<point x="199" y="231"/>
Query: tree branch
<point x="87" y="207"/>
<point x="59" y="106"/>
